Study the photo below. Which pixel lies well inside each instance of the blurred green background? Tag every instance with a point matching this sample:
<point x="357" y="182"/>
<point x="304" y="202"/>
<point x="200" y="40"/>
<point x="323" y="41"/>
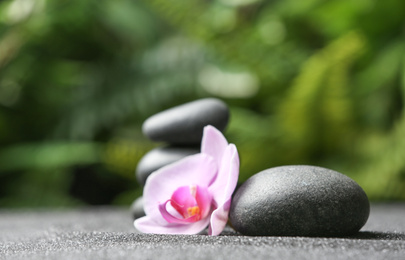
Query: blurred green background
<point x="319" y="82"/>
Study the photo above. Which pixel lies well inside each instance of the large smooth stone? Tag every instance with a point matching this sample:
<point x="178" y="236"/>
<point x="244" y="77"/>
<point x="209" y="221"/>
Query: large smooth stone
<point x="184" y="124"/>
<point x="299" y="201"/>
<point x="160" y="157"/>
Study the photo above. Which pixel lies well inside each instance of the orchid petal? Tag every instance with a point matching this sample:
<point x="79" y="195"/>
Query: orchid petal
<point x="222" y="189"/>
<point x="227" y="178"/>
<point x="213" y="143"/>
<point x="171" y="219"/>
<point x="147" y="225"/>
<point x="161" y="185"/>
<point x="199" y="189"/>
<point x="219" y="218"/>
<point x="183" y="199"/>
<point x="191" y="203"/>
<point x="204" y="200"/>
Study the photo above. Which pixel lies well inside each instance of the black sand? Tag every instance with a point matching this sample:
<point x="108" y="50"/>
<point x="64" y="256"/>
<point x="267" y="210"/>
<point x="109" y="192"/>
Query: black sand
<point x="108" y="233"/>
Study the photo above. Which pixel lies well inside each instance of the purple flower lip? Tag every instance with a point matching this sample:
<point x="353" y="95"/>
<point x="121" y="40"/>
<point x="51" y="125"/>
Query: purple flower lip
<point x="187" y="196"/>
<point x="193" y="203"/>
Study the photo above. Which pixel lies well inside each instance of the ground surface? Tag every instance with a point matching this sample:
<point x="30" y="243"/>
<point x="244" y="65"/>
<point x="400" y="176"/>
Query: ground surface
<point x="107" y="233"/>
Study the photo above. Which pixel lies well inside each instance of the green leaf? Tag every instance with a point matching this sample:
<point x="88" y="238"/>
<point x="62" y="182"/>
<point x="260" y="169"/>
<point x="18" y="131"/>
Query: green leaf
<point x="48" y="155"/>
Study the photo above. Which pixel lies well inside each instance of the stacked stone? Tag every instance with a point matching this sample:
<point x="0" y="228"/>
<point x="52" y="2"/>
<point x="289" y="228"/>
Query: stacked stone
<point x="181" y="129"/>
<point x="295" y="200"/>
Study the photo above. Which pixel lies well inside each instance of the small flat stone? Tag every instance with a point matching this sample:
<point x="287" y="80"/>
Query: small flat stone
<point x="137" y="210"/>
<point x="160" y="157"/>
<point x="184" y="124"/>
<point x="299" y="201"/>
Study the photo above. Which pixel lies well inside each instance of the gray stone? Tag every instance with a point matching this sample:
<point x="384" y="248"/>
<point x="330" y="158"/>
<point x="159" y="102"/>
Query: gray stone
<point x="160" y="157"/>
<point x="184" y="124"/>
<point x="137" y="210"/>
<point x="299" y="201"/>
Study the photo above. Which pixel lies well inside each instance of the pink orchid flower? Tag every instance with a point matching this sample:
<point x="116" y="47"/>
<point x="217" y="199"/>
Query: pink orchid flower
<point x="188" y="195"/>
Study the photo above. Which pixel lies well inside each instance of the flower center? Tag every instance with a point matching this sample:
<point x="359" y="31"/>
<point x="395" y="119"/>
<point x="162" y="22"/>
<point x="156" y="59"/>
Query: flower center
<point x="188" y="204"/>
<point x="185" y="202"/>
<point x="192" y="211"/>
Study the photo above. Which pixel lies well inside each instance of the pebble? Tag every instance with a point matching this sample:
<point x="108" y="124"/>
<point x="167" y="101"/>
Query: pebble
<point x="184" y="124"/>
<point x="137" y="210"/>
<point x="299" y="201"/>
<point x="160" y="157"/>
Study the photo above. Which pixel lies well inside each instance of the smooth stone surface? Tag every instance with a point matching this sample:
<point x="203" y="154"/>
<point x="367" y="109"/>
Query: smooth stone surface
<point x="299" y="201"/>
<point x="160" y="157"/>
<point x="184" y="124"/>
<point x="137" y="210"/>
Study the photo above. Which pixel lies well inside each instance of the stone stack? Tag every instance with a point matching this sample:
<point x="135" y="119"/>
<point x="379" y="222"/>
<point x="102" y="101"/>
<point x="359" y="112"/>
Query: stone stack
<point x="180" y="129"/>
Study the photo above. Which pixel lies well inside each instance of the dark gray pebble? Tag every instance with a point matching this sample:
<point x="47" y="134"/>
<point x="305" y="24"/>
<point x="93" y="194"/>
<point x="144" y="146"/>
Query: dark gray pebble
<point x="299" y="201"/>
<point x="184" y="124"/>
<point x="137" y="210"/>
<point x="160" y="157"/>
